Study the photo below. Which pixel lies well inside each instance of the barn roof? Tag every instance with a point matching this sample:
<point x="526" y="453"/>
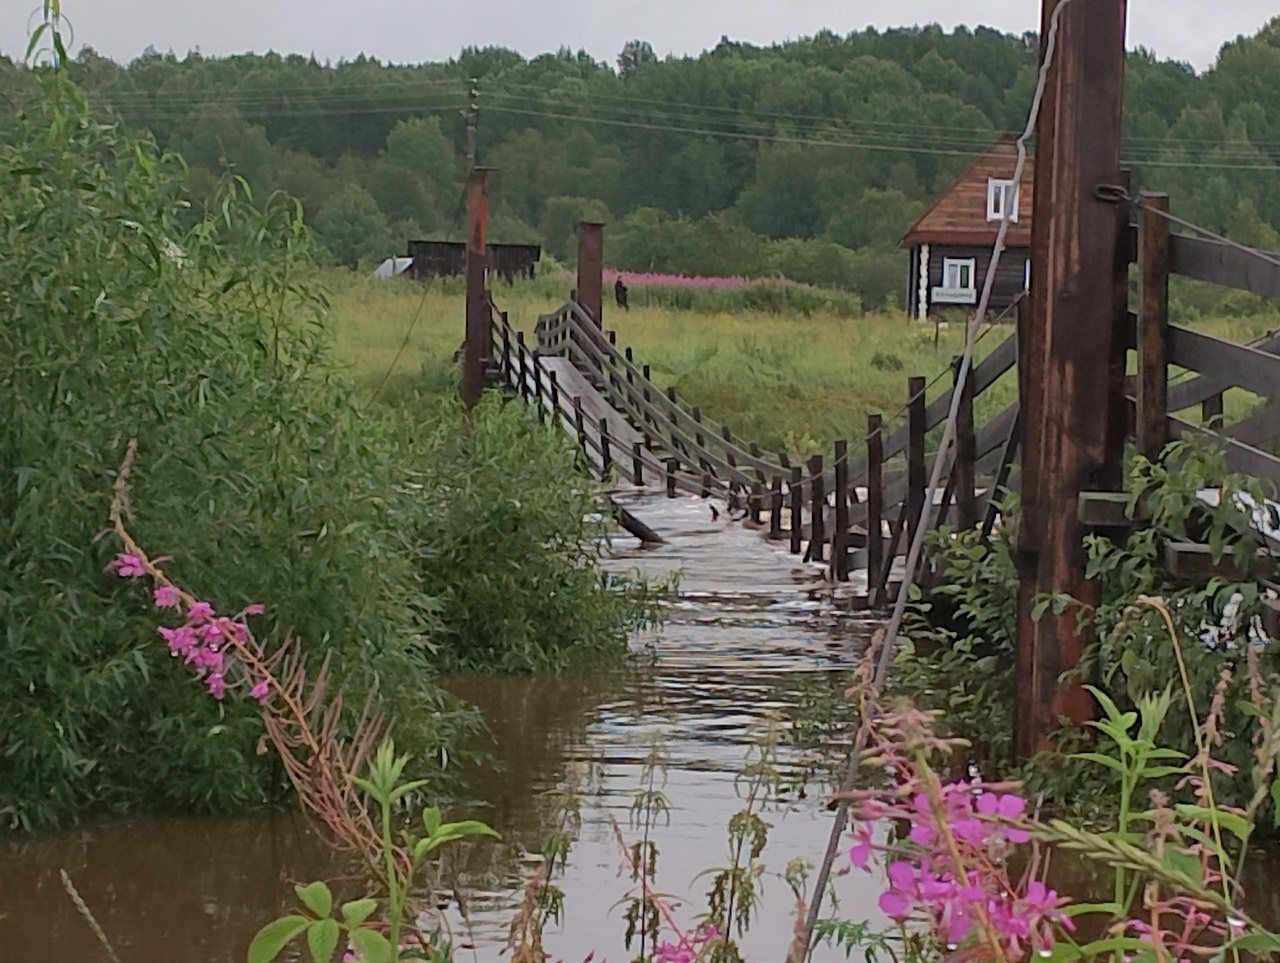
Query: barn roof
<point x="959" y="216"/>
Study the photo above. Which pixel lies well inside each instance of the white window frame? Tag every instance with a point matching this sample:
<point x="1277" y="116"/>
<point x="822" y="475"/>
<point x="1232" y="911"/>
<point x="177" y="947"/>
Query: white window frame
<point x="955" y="272"/>
<point x="998" y="191"/>
<point x="1026" y="275"/>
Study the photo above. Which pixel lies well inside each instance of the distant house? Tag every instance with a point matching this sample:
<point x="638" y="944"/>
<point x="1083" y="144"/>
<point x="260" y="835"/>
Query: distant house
<point x="393" y="267"/>
<point x="950" y="245"/>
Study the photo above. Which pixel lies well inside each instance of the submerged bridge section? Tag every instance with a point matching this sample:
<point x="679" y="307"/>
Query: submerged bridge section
<point x="856" y="509"/>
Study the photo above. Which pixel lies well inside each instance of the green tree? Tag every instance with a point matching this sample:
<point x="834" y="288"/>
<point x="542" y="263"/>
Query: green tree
<point x="352" y="227"/>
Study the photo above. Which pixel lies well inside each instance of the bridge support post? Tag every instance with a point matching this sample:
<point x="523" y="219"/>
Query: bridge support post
<point x="1068" y="353"/>
<point x="797" y="511"/>
<point x="817" y="510"/>
<point x="775" y="509"/>
<point x="1153" y="326"/>
<point x="963" y="469"/>
<point x="477" y="349"/>
<point x="916" y="480"/>
<point x="875" y="509"/>
<point x="840" y="536"/>
<point x="591" y="270"/>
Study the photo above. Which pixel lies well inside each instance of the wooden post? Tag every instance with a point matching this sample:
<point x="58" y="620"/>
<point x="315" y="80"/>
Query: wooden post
<point x="875" y="507"/>
<point x="797" y="510"/>
<point x="644" y="392"/>
<point x="964" y="468"/>
<point x="579" y="424"/>
<point x="507" y="371"/>
<point x="591" y="270"/>
<point x="1067" y="354"/>
<point x="754" y="503"/>
<point x="637" y="466"/>
<point x="671" y="465"/>
<point x="840" y="537"/>
<point x="1211" y="411"/>
<point x="606" y="460"/>
<point x="817" y="509"/>
<point x="1153" y="325"/>
<point x="476" y="351"/>
<point x="631" y="379"/>
<point x="555" y="397"/>
<point x="775" y="509"/>
<point x="916" y="480"/>
<point x="536" y="364"/>
<point x="523" y="354"/>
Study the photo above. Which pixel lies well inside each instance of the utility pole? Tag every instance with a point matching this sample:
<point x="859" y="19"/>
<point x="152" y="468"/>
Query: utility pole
<point x="1069" y="350"/>
<point x="478" y="348"/>
<point x="473" y="119"/>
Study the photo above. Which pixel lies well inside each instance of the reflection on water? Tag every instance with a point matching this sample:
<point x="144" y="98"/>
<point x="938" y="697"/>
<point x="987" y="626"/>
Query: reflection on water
<point x="742" y="632"/>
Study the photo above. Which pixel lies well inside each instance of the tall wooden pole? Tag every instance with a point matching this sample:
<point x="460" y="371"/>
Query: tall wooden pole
<point x="1153" y="325"/>
<point x="477" y="349"/>
<point x="591" y="269"/>
<point x="1067" y="352"/>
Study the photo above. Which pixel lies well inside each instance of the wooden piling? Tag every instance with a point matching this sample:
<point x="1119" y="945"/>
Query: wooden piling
<point x="875" y="507"/>
<point x="590" y="291"/>
<point x="637" y="465"/>
<point x="1153" y="325"/>
<point x="1068" y="355"/>
<point x="797" y="511"/>
<point x="579" y="424"/>
<point x="606" y="459"/>
<point x="477" y="348"/>
<point x="671" y="465"/>
<point x="964" y="467"/>
<point x="775" y="509"/>
<point x="915" y="455"/>
<point x="817" y="509"/>
<point x="523" y="354"/>
<point x="840" y="537"/>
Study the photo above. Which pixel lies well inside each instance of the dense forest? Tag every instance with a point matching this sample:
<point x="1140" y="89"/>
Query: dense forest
<point x="807" y="158"/>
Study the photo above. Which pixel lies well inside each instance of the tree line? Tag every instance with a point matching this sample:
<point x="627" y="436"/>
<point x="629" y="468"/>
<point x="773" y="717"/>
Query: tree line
<point x="807" y="158"/>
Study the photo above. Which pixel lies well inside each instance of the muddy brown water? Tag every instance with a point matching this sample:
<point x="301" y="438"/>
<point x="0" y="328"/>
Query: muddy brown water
<point x="743" y="638"/>
<point x="742" y="635"/>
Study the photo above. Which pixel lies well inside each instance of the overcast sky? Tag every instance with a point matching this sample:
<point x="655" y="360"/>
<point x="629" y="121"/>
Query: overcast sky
<point x="417" y="30"/>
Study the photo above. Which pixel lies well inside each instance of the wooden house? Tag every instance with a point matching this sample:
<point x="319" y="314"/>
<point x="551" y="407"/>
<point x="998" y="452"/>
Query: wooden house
<point x="447" y="259"/>
<point x="950" y="246"/>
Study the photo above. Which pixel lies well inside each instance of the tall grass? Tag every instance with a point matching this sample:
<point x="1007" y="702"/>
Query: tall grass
<point x="789" y="379"/>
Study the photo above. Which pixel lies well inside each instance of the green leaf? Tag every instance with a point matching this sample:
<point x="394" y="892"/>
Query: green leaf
<point x="1259" y="944"/>
<point x="1275" y="801"/>
<point x="357" y="911"/>
<point x="431" y="819"/>
<point x="273" y="938"/>
<point x="1100" y="759"/>
<point x="317" y="898"/>
<point x="1081" y="909"/>
<point x="1238" y="826"/>
<point x="371" y="945"/>
<point x="322" y="940"/>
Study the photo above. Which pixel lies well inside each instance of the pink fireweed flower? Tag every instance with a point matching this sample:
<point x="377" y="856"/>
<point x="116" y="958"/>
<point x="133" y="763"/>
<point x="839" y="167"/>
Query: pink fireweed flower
<point x="128" y="566"/>
<point x="257" y="608"/>
<point x="217" y="685"/>
<point x="860" y="852"/>
<point x="180" y="639"/>
<point x="200" y="611"/>
<point x="211" y="632"/>
<point x="261" y="691"/>
<point x="167" y="597"/>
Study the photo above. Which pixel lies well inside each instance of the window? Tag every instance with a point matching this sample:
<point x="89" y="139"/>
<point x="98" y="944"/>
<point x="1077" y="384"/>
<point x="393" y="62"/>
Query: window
<point x="958" y="285"/>
<point x="1026" y="275"/>
<point x="1001" y="196"/>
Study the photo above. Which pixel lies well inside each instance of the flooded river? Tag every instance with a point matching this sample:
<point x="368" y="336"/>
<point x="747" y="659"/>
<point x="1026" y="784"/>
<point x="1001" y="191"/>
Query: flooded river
<point x="742" y="640"/>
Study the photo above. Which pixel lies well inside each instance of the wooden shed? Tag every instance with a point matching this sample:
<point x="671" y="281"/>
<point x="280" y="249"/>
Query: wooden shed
<point x="446" y="259"/>
<point x="950" y="246"/>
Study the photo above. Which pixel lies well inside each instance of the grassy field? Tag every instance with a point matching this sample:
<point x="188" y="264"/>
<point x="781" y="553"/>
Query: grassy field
<point x="790" y="381"/>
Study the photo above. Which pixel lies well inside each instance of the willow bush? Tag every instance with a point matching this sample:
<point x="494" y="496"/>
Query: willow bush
<point x="257" y="473"/>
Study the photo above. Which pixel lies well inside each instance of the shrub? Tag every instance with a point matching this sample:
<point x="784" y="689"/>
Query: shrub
<point x="509" y="536"/>
<point x="255" y="472"/>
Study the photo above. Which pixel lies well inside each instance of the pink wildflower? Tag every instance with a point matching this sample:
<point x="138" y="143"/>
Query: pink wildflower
<point x="128" y="566"/>
<point x="217" y="685"/>
<point x="257" y="608"/>
<point x="860" y="852"/>
<point x="200" y="611"/>
<point x="167" y="597"/>
<point x="261" y="692"/>
<point x="180" y="639"/>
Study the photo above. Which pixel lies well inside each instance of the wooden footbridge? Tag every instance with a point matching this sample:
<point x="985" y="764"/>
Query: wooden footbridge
<point x="856" y="510"/>
<point x="1093" y="370"/>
